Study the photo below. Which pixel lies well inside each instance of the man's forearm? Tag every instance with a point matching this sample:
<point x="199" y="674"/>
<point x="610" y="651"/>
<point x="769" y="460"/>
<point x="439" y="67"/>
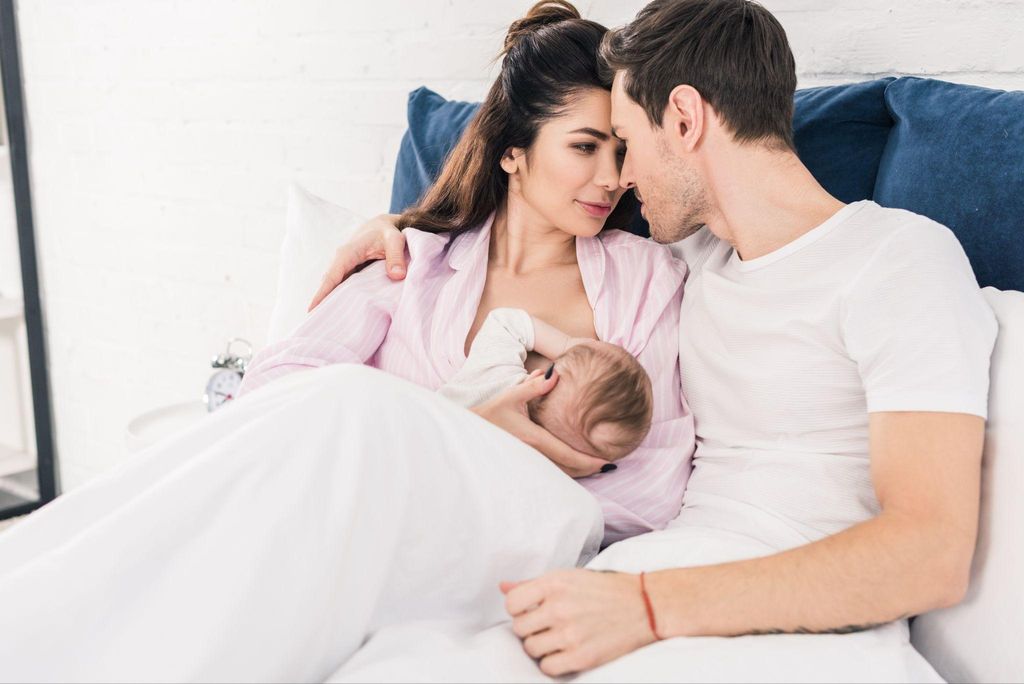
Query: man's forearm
<point x="878" y="571"/>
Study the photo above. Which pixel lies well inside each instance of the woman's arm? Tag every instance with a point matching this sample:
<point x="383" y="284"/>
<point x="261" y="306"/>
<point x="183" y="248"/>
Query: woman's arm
<point x="348" y="327"/>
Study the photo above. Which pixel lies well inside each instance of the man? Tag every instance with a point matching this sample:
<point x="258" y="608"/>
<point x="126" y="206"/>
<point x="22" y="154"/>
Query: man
<point x="835" y="358"/>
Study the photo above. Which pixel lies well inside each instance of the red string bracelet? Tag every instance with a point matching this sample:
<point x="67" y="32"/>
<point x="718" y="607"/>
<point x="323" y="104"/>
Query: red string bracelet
<point x="650" y="609"/>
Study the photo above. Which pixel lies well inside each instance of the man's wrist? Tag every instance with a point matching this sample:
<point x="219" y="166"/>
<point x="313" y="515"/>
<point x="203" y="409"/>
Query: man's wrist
<point x="663" y="588"/>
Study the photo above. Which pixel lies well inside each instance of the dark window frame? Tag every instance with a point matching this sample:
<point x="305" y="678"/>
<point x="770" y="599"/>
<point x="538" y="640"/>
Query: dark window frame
<point x="14" y="110"/>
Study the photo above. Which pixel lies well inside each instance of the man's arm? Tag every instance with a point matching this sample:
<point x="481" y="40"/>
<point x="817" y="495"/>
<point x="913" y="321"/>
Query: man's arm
<point x="915" y="556"/>
<point x="376" y="239"/>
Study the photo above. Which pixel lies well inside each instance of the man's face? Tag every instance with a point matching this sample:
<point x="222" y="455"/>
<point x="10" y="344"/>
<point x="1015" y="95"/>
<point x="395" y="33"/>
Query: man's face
<point x="674" y="195"/>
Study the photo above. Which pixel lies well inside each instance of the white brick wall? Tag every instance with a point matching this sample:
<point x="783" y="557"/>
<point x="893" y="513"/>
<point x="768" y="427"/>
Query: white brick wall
<point x="163" y="135"/>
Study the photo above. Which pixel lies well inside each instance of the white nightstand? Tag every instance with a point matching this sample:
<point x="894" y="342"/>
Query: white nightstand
<point x="152" y="426"/>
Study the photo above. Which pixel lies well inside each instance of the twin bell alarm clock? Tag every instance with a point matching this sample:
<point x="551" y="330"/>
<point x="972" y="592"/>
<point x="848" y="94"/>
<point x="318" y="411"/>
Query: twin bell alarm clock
<point x="223" y="385"/>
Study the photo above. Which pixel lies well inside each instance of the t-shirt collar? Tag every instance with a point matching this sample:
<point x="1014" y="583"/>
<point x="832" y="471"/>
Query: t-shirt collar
<point x="808" y="238"/>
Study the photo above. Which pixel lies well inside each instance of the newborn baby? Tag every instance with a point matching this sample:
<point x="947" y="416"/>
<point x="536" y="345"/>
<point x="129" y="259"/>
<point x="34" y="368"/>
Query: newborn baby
<point x="602" y="403"/>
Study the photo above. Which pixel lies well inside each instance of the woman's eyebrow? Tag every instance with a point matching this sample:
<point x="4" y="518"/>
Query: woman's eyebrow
<point x="600" y="135"/>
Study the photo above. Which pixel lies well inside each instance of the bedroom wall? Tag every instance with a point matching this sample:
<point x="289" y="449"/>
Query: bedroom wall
<point x="163" y="135"/>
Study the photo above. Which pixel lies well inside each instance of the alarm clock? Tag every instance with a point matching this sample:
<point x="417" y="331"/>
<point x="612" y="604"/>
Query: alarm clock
<point x="223" y="385"/>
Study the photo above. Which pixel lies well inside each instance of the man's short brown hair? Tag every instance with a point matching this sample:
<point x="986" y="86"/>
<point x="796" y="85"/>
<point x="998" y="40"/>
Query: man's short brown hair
<point x="733" y="52"/>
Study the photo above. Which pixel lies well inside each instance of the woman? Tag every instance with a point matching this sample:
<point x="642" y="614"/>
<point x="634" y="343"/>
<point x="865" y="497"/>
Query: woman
<point x="518" y="218"/>
<point x="271" y="540"/>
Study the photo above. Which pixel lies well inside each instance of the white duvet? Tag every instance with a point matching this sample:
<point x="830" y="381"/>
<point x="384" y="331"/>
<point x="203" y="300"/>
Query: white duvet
<point x="344" y="525"/>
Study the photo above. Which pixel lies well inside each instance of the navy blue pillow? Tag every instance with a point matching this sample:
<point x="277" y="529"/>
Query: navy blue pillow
<point x="435" y="126"/>
<point x="840" y="132"/>
<point x="956" y="155"/>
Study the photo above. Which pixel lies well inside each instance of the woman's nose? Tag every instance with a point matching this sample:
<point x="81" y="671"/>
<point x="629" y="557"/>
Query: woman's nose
<point x="607" y="175"/>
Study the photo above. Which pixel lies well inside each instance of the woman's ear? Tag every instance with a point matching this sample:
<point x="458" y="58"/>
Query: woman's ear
<point x="510" y="160"/>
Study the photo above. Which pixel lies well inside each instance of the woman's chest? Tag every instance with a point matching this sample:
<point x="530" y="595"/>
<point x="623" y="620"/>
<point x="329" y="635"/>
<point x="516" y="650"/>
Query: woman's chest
<point x="438" y="319"/>
<point x="556" y="296"/>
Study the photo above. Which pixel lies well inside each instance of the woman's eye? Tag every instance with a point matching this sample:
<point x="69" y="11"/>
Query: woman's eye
<point x="586" y="147"/>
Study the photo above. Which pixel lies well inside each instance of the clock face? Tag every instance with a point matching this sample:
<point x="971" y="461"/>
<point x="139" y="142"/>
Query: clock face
<point x="222" y="387"/>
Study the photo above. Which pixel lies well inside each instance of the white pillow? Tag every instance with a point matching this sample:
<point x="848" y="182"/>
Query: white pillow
<point x="980" y="639"/>
<point x="315" y="229"/>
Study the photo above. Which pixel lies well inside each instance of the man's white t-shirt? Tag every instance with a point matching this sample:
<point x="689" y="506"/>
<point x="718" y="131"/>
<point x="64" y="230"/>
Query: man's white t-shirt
<point x="784" y="356"/>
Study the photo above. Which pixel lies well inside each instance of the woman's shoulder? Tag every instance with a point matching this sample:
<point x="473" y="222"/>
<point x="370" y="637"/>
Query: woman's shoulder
<point x="641" y="287"/>
<point x="455" y="248"/>
<point x="423" y="244"/>
<point x="640" y="256"/>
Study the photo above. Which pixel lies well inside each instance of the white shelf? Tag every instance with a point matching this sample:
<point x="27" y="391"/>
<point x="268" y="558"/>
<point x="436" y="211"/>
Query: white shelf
<point x="11" y="309"/>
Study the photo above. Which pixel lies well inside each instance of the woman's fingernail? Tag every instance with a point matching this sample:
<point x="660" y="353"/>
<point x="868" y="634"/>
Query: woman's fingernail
<point x="551" y="369"/>
<point x="397" y="268"/>
<point x="608" y="467"/>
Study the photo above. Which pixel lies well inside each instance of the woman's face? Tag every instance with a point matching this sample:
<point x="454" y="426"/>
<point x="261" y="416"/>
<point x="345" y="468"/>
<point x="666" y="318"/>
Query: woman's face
<point x="569" y="177"/>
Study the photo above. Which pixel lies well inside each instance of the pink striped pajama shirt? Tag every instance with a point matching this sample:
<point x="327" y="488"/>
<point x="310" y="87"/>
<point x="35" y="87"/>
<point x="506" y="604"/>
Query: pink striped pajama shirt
<point x="417" y="328"/>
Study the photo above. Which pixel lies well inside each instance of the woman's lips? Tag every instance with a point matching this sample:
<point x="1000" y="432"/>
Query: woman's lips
<point x="595" y="210"/>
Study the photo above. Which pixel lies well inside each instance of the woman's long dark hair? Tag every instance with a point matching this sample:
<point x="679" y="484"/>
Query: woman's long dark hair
<point x="550" y="55"/>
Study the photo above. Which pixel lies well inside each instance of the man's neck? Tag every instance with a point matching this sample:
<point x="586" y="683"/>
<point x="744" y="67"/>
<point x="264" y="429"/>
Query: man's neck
<point x="764" y="200"/>
<point x="522" y="241"/>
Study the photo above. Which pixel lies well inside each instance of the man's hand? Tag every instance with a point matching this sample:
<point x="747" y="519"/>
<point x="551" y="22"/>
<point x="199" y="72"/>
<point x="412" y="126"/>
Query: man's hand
<point x="508" y="411"/>
<point x="574" y="620"/>
<point x="376" y="239"/>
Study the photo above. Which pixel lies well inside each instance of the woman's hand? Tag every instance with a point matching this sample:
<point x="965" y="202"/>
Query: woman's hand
<point x="508" y="411"/>
<point x="376" y="239"/>
<point x="574" y="620"/>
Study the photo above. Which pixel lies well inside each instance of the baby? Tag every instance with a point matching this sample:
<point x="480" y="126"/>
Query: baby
<point x="602" y="403"/>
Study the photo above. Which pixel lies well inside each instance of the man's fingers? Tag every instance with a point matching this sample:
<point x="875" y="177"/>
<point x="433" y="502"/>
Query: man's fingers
<point x="394" y="254"/>
<point x="532" y="622"/>
<point x="542" y="644"/>
<point x="325" y="289"/>
<point x="345" y="262"/>
<point x="557" y="664"/>
<point x="525" y="596"/>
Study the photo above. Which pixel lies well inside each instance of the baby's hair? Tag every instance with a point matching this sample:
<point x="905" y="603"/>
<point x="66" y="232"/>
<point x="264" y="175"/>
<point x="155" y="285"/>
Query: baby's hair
<point x="613" y="390"/>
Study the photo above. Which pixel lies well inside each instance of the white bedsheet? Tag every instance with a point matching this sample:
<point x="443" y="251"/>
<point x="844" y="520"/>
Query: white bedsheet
<point x="335" y="506"/>
<point x="265" y="544"/>
<point x="449" y="652"/>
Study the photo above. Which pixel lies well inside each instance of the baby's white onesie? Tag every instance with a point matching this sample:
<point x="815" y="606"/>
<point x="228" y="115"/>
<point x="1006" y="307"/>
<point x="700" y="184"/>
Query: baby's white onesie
<point x="496" y="358"/>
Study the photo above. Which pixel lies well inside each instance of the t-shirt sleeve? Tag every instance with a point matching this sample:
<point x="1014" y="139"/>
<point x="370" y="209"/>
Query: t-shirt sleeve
<point x="916" y="323"/>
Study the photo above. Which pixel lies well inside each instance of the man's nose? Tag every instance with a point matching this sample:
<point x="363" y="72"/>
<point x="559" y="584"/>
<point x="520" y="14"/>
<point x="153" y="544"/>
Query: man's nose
<point x="626" y="178"/>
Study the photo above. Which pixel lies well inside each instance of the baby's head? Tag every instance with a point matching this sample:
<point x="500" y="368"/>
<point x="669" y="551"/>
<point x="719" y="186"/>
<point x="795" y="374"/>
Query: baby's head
<point x="602" y="403"/>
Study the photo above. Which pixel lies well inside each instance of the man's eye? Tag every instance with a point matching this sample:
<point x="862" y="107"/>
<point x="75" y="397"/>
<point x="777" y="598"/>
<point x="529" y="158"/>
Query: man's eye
<point x="586" y="147"/>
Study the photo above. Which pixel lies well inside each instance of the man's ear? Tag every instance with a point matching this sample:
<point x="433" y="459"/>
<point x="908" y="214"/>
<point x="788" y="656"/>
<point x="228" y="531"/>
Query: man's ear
<point x="684" y="117"/>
